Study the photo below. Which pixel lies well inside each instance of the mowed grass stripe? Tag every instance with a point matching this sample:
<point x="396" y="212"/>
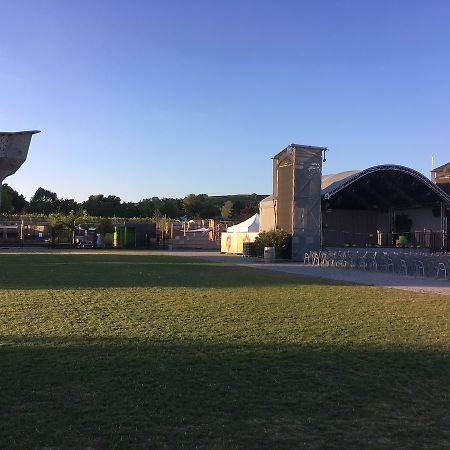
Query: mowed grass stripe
<point x="131" y="350"/>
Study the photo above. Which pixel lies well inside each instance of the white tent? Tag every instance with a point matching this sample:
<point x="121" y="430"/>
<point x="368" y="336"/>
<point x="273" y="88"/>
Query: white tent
<point x="247" y="226"/>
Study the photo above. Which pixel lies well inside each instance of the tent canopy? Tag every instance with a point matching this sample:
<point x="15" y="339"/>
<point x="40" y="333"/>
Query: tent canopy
<point x="247" y="226"/>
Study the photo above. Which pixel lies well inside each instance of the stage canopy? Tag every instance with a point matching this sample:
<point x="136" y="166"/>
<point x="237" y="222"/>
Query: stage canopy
<point x="382" y="187"/>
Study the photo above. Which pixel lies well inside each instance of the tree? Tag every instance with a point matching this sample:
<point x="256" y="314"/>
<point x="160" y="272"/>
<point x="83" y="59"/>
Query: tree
<point x="147" y="207"/>
<point x="105" y="226"/>
<point x="227" y="209"/>
<point x="73" y="221"/>
<point x="101" y="206"/>
<point x="67" y="205"/>
<point x="44" y="202"/>
<point x="247" y="211"/>
<point x="128" y="209"/>
<point x="56" y="223"/>
<point x="170" y="207"/>
<point x="190" y="204"/>
<point x="246" y="206"/>
<point x="11" y="200"/>
<point x="76" y="221"/>
<point x="200" y="206"/>
<point x="166" y="207"/>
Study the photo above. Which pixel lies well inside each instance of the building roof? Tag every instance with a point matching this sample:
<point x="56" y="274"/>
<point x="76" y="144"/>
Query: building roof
<point x="300" y="146"/>
<point x="441" y="167"/>
<point x="388" y="184"/>
<point x="329" y="182"/>
<point x="268" y="200"/>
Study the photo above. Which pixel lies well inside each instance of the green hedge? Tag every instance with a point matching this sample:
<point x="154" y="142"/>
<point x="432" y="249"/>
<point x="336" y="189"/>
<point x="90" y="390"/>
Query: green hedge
<point x="279" y="239"/>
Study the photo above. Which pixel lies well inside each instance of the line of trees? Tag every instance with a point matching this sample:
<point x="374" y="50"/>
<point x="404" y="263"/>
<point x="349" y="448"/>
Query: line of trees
<point x="195" y="206"/>
<point x="76" y="222"/>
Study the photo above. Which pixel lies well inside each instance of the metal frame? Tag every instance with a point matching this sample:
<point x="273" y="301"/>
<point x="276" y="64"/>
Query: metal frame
<point x="306" y="204"/>
<point x="445" y="198"/>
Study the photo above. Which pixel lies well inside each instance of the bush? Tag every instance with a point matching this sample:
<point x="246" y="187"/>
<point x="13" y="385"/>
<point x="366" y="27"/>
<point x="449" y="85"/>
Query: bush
<point x="108" y="241"/>
<point x="105" y="226"/>
<point x="279" y="239"/>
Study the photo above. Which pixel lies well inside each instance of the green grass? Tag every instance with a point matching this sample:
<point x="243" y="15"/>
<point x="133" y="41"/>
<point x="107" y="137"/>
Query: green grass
<point x="137" y="351"/>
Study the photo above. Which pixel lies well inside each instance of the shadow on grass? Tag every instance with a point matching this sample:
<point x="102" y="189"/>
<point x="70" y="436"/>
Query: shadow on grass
<point x="105" y="393"/>
<point x="53" y="271"/>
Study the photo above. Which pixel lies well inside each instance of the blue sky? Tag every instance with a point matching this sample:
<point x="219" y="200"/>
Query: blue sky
<point x="167" y="98"/>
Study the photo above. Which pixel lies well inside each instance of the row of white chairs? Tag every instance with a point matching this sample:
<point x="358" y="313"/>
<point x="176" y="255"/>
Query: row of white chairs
<point x="419" y="264"/>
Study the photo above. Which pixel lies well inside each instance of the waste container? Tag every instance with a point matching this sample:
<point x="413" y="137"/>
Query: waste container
<point x="269" y="254"/>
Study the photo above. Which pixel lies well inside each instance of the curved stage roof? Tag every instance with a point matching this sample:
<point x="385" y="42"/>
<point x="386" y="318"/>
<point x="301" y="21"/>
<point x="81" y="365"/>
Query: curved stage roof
<point x="381" y="187"/>
<point x="336" y="179"/>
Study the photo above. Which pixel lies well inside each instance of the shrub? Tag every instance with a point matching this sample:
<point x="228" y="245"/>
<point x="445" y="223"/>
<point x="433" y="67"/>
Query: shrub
<point x="279" y="239"/>
<point x="108" y="241"/>
<point x="105" y="226"/>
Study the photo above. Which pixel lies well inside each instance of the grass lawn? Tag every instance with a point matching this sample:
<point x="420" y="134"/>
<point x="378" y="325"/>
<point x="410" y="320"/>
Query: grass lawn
<point x="126" y="350"/>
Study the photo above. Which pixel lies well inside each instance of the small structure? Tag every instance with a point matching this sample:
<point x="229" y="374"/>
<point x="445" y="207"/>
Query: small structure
<point x="441" y="177"/>
<point x="233" y="240"/>
<point x="134" y="234"/>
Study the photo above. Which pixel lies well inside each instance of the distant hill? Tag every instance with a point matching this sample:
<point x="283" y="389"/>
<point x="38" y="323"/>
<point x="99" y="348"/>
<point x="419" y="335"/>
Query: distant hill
<point x="244" y="198"/>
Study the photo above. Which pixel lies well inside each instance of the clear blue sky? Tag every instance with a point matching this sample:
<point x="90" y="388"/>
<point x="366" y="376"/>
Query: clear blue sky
<point x="167" y="98"/>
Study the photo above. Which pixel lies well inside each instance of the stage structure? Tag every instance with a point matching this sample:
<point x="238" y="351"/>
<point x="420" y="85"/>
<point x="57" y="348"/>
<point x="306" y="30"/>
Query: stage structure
<point x="382" y="206"/>
<point x="386" y="206"/>
<point x="13" y="152"/>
